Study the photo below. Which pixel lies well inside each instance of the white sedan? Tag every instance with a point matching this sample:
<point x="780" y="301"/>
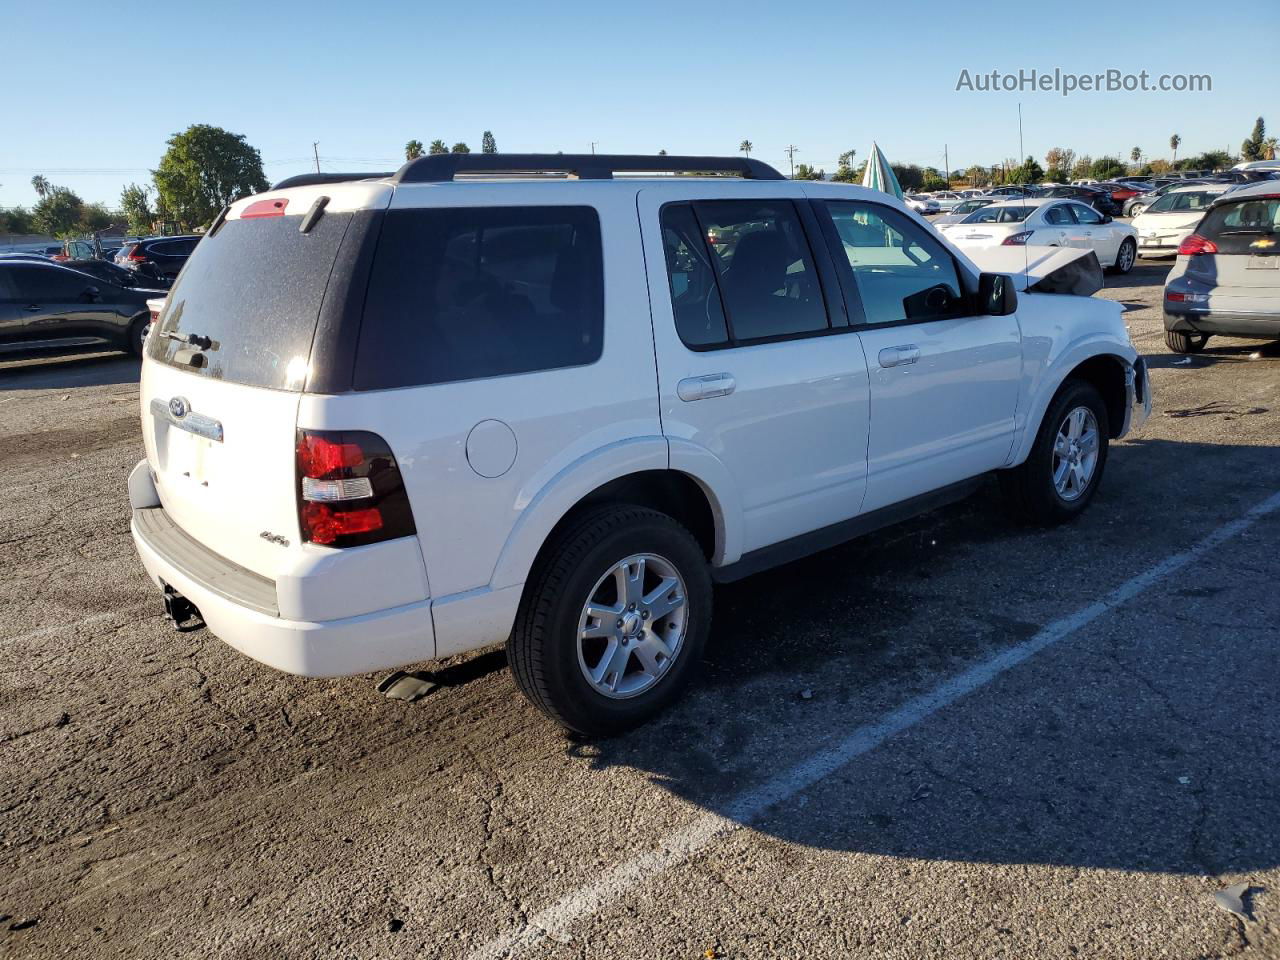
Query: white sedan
<point x="1048" y="223"/>
<point x="1171" y="219"/>
<point x="921" y="203"/>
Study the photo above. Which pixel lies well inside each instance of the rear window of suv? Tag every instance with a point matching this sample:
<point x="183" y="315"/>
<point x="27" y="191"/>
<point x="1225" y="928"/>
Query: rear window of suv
<point x="254" y="288"/>
<point x="466" y="293"/>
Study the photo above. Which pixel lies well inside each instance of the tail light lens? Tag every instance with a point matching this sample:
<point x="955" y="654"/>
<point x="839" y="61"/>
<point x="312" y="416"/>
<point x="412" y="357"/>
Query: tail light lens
<point x="135" y="255"/>
<point x="1196" y="244"/>
<point x="350" y="491"/>
<point x="1017" y="239"/>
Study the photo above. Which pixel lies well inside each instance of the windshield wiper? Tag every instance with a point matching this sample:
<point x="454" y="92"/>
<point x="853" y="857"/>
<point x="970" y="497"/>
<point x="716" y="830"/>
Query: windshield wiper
<point x="191" y="339"/>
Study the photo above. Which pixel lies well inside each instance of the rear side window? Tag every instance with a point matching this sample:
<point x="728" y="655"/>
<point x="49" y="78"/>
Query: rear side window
<point x="38" y="284"/>
<point x="467" y="293"/>
<point x="740" y="271"/>
<point x="254" y="289"/>
<point x="1247" y="226"/>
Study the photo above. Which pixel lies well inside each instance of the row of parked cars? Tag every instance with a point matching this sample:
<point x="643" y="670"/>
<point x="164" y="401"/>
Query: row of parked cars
<point x="77" y="296"/>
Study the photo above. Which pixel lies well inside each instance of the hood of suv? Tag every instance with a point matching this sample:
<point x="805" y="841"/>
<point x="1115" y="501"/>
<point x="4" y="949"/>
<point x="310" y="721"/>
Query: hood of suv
<point x="1071" y="270"/>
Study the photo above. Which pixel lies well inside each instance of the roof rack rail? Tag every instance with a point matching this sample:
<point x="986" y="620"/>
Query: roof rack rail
<point x="441" y="168"/>
<point x="310" y="179"/>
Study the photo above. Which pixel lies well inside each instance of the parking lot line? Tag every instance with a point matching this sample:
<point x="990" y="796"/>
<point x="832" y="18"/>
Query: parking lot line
<point x="554" y="921"/>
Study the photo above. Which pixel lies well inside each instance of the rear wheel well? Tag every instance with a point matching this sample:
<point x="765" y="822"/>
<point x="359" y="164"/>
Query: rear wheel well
<point x="668" y="491"/>
<point x="1107" y="373"/>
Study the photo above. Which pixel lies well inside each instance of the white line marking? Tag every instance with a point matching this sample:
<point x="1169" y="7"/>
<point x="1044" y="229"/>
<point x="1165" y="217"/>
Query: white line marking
<point x="555" y="920"/>
<point x="58" y="627"/>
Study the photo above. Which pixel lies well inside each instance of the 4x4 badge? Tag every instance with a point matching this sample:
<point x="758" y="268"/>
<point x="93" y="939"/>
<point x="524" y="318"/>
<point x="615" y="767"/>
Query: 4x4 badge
<point x="179" y="407"/>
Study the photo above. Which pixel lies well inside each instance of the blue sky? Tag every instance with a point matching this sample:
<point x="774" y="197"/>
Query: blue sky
<point x="688" y="77"/>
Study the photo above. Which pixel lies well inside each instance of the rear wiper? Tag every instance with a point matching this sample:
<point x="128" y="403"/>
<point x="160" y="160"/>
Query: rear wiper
<point x="191" y="339"/>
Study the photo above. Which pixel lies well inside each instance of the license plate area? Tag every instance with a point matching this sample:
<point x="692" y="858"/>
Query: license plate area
<point x="1260" y="262"/>
<point x="187" y="456"/>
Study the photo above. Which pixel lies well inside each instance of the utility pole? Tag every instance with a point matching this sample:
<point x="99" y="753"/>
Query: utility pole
<point x="791" y="155"/>
<point x="593" y="147"/>
<point x="315" y="148"/>
<point x="1021" y="156"/>
<point x="946" y="163"/>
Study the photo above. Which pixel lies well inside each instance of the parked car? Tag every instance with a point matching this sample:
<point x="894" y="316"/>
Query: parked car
<point x="48" y="306"/>
<point x="947" y="200"/>
<point x="553" y="413"/>
<point x="921" y="203"/>
<point x="1049" y="223"/>
<point x="166" y="254"/>
<point x="1172" y="218"/>
<point x="963" y="209"/>
<point x="120" y="276"/>
<point x="1135" y="205"/>
<point x="1226" y="279"/>
<point x="1100" y="200"/>
<point x="1012" y="190"/>
<point x="1120" y="192"/>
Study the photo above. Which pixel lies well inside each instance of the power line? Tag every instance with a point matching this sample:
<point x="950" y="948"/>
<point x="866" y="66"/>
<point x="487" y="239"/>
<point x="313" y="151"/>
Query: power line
<point x="791" y="156"/>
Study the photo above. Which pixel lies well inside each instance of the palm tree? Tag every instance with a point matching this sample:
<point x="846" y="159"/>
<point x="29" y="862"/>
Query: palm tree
<point x="1269" y="148"/>
<point x="1174" y="143"/>
<point x="746" y="146"/>
<point x="1135" y="154"/>
<point x="413" y="150"/>
<point x="40" y="185"/>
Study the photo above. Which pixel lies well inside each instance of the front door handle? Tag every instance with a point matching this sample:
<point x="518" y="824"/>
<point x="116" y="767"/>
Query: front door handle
<point x="897" y="356"/>
<point x="33" y="308"/>
<point x="704" y="388"/>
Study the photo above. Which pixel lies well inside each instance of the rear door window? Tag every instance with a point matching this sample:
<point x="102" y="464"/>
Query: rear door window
<point x="254" y="288"/>
<point x="37" y="284"/>
<point x="1246" y="226"/>
<point x="466" y="293"/>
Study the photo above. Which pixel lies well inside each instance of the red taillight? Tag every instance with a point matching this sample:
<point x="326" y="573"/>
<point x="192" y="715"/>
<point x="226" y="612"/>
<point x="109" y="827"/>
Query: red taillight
<point x="1017" y="239"/>
<point x="349" y="489"/>
<point x="136" y="256"/>
<point x="1195" y="245"/>
<point x="265" y="208"/>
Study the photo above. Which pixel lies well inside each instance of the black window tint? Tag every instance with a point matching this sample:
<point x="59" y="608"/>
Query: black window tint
<point x="1057" y="216"/>
<point x="1085" y="214"/>
<point x="902" y="273"/>
<point x="768" y="282"/>
<point x="469" y="292"/>
<point x="255" y="289"/>
<point x="37" y="284"/>
<point x="1244" y="226"/>
<point x="695" y="298"/>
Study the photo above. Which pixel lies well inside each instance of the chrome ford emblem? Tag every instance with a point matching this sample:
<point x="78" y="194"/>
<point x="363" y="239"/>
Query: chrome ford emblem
<point x="179" y="407"/>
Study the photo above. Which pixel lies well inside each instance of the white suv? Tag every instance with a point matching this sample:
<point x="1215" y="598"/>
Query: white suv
<point x="395" y="419"/>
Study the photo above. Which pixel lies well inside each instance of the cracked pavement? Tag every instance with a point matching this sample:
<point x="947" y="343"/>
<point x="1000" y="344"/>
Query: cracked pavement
<point x="161" y="795"/>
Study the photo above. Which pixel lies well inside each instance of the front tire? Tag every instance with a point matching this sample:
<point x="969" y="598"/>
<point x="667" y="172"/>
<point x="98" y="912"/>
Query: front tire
<point x="1060" y="476"/>
<point x="137" y="334"/>
<point x="1180" y="342"/>
<point x="613" y="621"/>
<point x="1125" y="257"/>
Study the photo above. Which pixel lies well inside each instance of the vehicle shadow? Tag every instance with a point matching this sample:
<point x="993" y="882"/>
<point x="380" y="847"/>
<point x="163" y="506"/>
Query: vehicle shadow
<point x="1132" y="749"/>
<point x="1145" y="273"/>
<point x="44" y="372"/>
<point x="1226" y="350"/>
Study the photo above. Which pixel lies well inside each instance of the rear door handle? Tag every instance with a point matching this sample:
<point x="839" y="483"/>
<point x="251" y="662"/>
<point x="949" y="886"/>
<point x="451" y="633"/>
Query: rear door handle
<point x="897" y="356"/>
<point x="704" y="388"/>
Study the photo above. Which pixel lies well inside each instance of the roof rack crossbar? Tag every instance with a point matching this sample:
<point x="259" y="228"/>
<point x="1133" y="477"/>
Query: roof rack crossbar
<point x="442" y="168"/>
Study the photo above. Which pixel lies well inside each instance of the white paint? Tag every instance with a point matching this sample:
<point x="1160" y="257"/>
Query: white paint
<point x="679" y="846"/>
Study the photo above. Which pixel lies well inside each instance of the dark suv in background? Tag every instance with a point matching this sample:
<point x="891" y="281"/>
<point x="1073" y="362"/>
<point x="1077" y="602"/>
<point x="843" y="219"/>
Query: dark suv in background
<point x="165" y="255"/>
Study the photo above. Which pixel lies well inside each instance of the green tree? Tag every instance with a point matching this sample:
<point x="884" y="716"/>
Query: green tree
<point x="746" y="146"/>
<point x="844" y="167"/>
<point x="1174" y="143"/>
<point x="1105" y="168"/>
<point x="58" y="212"/>
<point x="1027" y="172"/>
<point x="437" y="147"/>
<point x="204" y="169"/>
<point x="135" y="204"/>
<point x="40" y="185"/>
<point x="1056" y="175"/>
<point x="459" y="147"/>
<point x="662" y="153"/>
<point x="1269" y="147"/>
<point x="910" y="177"/>
<point x="16" y="220"/>
<point x="933" y="181"/>
<point x="1060" y="158"/>
<point x="412" y="150"/>
<point x="487" y="143"/>
<point x="1080" y="169"/>
<point x="806" y="172"/>
<point x="1209" y="160"/>
<point x="1253" y="147"/>
<point x="1135" y="154"/>
<point x="95" y="217"/>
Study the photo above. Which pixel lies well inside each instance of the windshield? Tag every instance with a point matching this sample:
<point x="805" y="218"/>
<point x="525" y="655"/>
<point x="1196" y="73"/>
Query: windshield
<point x="999" y="215"/>
<point x="1192" y="200"/>
<point x="254" y="288"/>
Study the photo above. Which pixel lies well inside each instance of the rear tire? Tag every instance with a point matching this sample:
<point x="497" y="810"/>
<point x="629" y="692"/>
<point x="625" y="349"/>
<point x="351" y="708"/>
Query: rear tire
<point x="136" y="331"/>
<point x="1034" y="490"/>
<point x="563" y="657"/>
<point x="1126" y="257"/>
<point x="1180" y="342"/>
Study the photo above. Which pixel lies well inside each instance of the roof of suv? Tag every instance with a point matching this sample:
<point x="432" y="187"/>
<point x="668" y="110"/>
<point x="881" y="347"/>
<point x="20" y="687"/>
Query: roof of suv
<point x="1264" y="188"/>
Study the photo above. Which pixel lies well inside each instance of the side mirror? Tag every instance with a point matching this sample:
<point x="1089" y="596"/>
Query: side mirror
<point x="996" y="295"/>
<point x="1106" y="218"/>
<point x="91" y="295"/>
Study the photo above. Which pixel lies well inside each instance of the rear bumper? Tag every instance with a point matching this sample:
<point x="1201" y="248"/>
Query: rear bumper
<point x="1260" y="326"/>
<point x="238" y="611"/>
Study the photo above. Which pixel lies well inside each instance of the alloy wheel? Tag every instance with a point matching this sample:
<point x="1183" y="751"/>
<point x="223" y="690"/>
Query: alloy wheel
<point x="1075" y="453"/>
